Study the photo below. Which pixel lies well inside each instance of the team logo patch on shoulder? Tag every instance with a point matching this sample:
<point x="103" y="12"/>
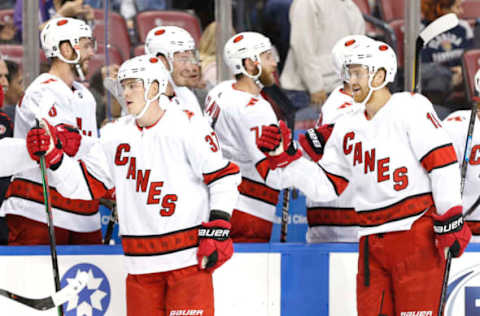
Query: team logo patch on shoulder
<point x="94" y="299"/>
<point x="456" y="118"/>
<point x="189" y="113"/>
<point x="53" y="111"/>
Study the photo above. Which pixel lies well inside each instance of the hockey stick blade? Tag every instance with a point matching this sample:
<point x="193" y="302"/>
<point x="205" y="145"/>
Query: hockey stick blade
<point x="440" y="25"/>
<point x="73" y="288"/>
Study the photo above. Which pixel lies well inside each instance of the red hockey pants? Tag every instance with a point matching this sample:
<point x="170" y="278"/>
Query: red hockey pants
<point x="400" y="272"/>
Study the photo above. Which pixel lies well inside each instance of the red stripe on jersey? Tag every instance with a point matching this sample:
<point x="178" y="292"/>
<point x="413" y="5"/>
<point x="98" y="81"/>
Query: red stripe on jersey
<point x="96" y="187"/>
<point x="439" y="157"/>
<point x="339" y="183"/>
<point x="474" y="227"/>
<point x="32" y="191"/>
<point x="263" y="168"/>
<point x="258" y="191"/>
<point x="408" y="207"/>
<point x="228" y="170"/>
<point x="160" y="244"/>
<point x="332" y="216"/>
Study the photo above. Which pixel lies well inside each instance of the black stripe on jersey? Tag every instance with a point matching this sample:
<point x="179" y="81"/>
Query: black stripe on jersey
<point x="392" y="205"/>
<point x="445" y="165"/>
<point x="42" y="203"/>
<point x="229" y="164"/>
<point x="333" y="183"/>
<point x="159" y="236"/>
<point x="88" y="182"/>
<point x="55" y="207"/>
<point x="434" y="149"/>
<point x="256" y="198"/>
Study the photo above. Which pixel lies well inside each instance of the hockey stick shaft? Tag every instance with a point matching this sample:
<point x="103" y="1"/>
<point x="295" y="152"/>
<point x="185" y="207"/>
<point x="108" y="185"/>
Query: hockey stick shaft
<point x="440" y="25"/>
<point x="284" y="104"/>
<point x="51" y="228"/>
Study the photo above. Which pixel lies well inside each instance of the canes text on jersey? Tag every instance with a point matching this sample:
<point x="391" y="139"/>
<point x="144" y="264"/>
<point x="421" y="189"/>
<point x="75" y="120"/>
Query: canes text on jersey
<point x="142" y="178"/>
<point x="370" y="162"/>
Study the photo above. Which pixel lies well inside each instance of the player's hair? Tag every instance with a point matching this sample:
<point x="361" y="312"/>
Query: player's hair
<point x="432" y="9"/>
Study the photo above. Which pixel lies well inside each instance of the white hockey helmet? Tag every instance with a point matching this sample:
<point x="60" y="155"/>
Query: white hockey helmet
<point x="345" y="46"/>
<point x="245" y="45"/>
<point x="375" y="56"/>
<point x="168" y="40"/>
<point x="59" y="30"/>
<point x="149" y="69"/>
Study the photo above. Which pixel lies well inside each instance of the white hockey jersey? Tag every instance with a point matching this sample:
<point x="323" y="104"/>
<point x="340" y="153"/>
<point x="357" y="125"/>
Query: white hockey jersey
<point x="237" y="118"/>
<point x="401" y="161"/>
<point x="456" y="125"/>
<point x="185" y="99"/>
<point x="336" y="220"/>
<point x="49" y="97"/>
<point x="167" y="178"/>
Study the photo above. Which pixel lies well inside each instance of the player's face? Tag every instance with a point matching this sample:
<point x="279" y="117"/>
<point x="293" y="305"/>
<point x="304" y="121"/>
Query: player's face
<point x="87" y="50"/>
<point x="15" y="89"/>
<point x="269" y="66"/>
<point x="3" y="75"/>
<point x="357" y="76"/>
<point x="134" y="94"/>
<point x="185" y="68"/>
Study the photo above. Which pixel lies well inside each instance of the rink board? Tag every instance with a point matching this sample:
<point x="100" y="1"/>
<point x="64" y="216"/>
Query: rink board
<point x="261" y="279"/>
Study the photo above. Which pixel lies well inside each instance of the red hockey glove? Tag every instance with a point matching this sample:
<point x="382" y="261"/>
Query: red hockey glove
<point x="276" y="143"/>
<point x="451" y="232"/>
<point x="215" y="246"/>
<point x="314" y="140"/>
<point x="70" y="138"/>
<point x="40" y="143"/>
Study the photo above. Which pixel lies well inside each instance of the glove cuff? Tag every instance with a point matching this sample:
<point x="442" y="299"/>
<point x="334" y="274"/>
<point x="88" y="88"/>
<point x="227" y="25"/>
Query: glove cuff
<point x="450" y="222"/>
<point x="217" y="214"/>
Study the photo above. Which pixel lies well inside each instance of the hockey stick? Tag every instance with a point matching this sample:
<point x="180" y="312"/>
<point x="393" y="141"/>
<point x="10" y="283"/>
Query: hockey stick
<point x="51" y="229"/>
<point x="56" y="300"/>
<point x="279" y="99"/>
<point x="440" y="25"/>
<point x="111" y="221"/>
<point x="466" y="159"/>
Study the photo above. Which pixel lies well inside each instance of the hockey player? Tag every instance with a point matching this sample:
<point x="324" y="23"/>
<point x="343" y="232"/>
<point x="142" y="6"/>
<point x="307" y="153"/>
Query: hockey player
<point x="237" y="111"/>
<point x="67" y="43"/>
<point x="176" y="48"/>
<point x="175" y="193"/>
<point x="333" y="221"/>
<point x="456" y="124"/>
<point x="406" y="180"/>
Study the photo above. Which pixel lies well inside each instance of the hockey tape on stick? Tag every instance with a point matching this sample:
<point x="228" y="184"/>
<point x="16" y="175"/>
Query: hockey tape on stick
<point x="440" y="25"/>
<point x="67" y="293"/>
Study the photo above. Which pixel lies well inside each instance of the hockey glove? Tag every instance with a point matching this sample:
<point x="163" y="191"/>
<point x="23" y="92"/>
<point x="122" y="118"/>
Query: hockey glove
<point x="70" y="138"/>
<point x="314" y="140"/>
<point x="452" y="234"/>
<point x="276" y="143"/>
<point x="215" y="246"/>
<point x="40" y="143"/>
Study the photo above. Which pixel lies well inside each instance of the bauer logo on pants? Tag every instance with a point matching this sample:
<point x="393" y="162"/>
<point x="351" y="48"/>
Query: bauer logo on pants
<point x="94" y="299"/>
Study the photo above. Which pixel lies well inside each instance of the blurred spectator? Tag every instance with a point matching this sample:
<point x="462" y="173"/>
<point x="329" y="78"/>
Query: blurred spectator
<point x="6" y="130"/>
<point x="15" y="89"/>
<point x="277" y="26"/>
<point x="129" y="9"/>
<point x="101" y="97"/>
<point x="316" y="25"/>
<point x="49" y="9"/>
<point x="444" y="52"/>
<point x="208" y="58"/>
<point x="7" y="30"/>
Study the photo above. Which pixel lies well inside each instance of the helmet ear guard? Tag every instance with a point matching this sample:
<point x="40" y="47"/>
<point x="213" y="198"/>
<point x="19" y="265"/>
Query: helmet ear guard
<point x="242" y="46"/>
<point x="60" y="30"/>
<point x="149" y="69"/>
<point x="168" y="40"/>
